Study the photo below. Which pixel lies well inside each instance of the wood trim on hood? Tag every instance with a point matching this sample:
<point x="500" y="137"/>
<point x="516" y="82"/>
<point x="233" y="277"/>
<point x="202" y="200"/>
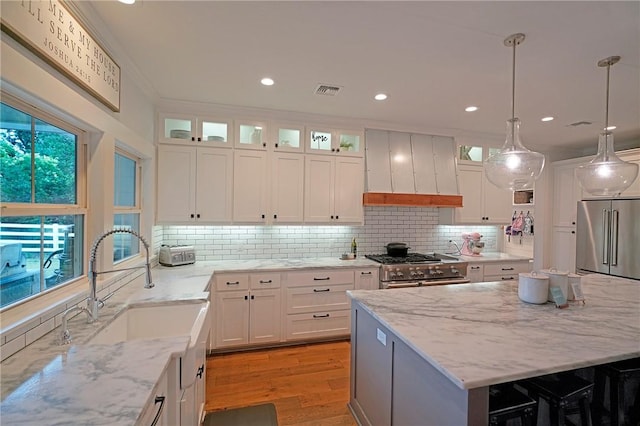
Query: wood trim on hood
<point x="415" y="200"/>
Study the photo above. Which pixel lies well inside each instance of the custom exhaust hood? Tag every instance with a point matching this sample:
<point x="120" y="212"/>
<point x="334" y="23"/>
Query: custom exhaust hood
<point x="408" y="169"/>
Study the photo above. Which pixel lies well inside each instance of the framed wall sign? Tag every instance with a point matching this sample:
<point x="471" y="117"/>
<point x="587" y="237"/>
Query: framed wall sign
<point x="49" y="29"/>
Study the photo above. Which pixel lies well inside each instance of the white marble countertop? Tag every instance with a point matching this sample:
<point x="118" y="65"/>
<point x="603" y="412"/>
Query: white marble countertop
<point x="481" y="334"/>
<point x="46" y="383"/>
<point x="266" y="265"/>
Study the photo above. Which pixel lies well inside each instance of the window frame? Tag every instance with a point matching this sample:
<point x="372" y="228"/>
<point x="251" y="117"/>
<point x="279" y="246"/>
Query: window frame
<point x="137" y="208"/>
<point x="18" y="209"/>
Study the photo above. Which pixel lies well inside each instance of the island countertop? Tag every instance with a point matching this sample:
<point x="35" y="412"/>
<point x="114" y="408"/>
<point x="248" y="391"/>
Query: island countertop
<point x="481" y="334"/>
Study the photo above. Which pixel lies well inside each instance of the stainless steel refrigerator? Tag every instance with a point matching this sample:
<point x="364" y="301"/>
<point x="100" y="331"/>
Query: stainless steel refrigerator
<point x="608" y="237"/>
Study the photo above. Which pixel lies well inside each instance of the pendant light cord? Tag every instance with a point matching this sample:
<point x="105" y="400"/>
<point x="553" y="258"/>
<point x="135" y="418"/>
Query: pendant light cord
<point x="513" y="85"/>
<point x="606" y="108"/>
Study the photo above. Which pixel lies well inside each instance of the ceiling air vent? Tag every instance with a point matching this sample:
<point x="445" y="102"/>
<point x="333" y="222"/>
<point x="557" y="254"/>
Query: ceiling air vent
<point x="580" y="123"/>
<point x="327" y="90"/>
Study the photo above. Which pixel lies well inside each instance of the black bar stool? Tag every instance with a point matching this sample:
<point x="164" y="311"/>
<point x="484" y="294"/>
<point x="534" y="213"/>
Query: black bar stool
<point x="619" y="374"/>
<point x="506" y="403"/>
<point x="563" y="392"/>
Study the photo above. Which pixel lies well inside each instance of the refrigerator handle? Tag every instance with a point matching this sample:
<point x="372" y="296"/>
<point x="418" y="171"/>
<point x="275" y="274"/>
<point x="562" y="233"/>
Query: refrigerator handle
<point x="614" y="237"/>
<point x="605" y="232"/>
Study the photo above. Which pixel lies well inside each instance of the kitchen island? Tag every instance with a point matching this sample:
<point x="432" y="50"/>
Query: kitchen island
<point x="428" y="355"/>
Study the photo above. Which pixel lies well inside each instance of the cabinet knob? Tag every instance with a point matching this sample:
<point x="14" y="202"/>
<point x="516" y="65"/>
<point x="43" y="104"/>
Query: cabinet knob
<point x="193" y="139"/>
<point x="331" y="216"/>
<point x="337" y="149"/>
<point x="573" y="232"/>
<point x="276" y="145"/>
<point x="333" y="150"/>
<point x="263" y="216"/>
<point x="192" y="215"/>
<point x="275" y="216"/>
<point x="198" y="216"/>
<point x="337" y="217"/>
<point x="264" y="144"/>
<point x="199" y="139"/>
<point x="573" y="223"/>
<point x="246" y="297"/>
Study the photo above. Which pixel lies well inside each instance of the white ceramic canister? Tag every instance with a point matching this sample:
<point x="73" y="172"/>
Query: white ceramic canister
<point x="572" y="278"/>
<point x="557" y="279"/>
<point x="533" y="287"/>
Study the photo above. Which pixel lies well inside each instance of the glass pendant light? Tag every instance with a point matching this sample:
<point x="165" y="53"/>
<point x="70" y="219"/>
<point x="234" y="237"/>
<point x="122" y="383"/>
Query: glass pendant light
<point x="606" y="174"/>
<point x="514" y="167"/>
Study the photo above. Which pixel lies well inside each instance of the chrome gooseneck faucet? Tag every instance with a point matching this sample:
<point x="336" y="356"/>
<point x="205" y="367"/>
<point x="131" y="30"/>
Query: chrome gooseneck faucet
<point x="93" y="303"/>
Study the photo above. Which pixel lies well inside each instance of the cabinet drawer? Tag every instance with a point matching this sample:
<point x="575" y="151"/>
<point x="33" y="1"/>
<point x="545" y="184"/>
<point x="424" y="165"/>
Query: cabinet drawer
<point x="264" y="280"/>
<point x="319" y="297"/>
<point x="225" y="282"/>
<point x="318" y="324"/>
<point x="506" y="277"/>
<point x="319" y="278"/>
<point x="506" y="268"/>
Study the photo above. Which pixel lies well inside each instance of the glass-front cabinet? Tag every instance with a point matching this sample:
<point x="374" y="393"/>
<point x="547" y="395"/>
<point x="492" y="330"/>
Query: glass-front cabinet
<point x="184" y="129"/>
<point x="342" y="142"/>
<point x="251" y="135"/>
<point x="287" y="137"/>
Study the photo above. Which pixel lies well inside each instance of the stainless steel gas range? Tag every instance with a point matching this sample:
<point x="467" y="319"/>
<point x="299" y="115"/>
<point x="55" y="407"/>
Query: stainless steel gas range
<point x="416" y="270"/>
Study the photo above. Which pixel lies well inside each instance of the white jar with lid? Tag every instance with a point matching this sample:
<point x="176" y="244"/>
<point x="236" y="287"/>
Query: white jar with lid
<point x="557" y="279"/>
<point x="533" y="287"/>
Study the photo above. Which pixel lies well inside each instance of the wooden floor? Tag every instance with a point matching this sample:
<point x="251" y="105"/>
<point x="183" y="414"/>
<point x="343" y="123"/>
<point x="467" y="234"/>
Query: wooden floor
<point x="309" y="384"/>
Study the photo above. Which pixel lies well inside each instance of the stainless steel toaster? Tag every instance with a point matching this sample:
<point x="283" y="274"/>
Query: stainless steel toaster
<point x="177" y="255"/>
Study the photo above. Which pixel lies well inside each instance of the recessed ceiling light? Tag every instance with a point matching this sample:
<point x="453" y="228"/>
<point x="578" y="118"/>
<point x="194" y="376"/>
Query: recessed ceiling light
<point x="267" y="81"/>
<point x="127" y="1"/>
<point x="471" y="108"/>
<point x="547" y="118"/>
<point x="610" y="128"/>
<point x="380" y="97"/>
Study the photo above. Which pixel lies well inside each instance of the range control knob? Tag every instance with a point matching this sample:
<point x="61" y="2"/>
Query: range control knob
<point x="400" y="274"/>
<point x="454" y="270"/>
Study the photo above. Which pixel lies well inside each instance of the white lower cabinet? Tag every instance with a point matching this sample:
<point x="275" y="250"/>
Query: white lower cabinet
<point x="156" y="412"/>
<point x="497" y="271"/>
<point x="317" y="305"/>
<point x="261" y="309"/>
<point x="504" y="271"/>
<point x="475" y="272"/>
<point x="248" y="309"/>
<point x="367" y="279"/>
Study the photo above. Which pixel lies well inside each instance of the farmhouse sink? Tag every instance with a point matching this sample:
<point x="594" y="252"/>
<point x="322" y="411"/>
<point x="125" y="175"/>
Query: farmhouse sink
<point x="151" y="321"/>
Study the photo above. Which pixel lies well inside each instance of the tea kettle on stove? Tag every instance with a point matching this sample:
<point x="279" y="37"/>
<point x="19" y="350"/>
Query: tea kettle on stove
<point x="472" y="246"/>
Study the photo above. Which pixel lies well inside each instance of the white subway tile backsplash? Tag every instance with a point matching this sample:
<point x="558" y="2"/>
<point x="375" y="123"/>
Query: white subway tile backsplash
<point x="416" y="226"/>
<point x="39" y="331"/>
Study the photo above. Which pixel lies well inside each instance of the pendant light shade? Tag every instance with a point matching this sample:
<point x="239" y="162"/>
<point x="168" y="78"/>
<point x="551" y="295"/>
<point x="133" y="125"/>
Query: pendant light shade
<point x="514" y="167"/>
<point x="606" y="174"/>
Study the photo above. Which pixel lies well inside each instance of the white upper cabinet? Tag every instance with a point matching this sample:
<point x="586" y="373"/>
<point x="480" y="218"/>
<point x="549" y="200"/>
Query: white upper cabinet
<point x="333" y="190"/>
<point x="251" y="134"/>
<point x="287" y="188"/>
<point x="194" y="184"/>
<point x="190" y="130"/>
<point x="287" y="137"/>
<point x="330" y="141"/>
<point x="250" y="186"/>
<point x="483" y="202"/>
<point x="408" y="163"/>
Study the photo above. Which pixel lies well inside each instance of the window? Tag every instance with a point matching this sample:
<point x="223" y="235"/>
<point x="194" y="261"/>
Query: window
<point x="43" y="211"/>
<point x="126" y="200"/>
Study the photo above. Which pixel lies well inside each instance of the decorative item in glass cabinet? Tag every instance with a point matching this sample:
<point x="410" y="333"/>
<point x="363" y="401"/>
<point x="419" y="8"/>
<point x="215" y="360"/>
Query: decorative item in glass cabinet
<point x="606" y="174"/>
<point x="514" y="167"/>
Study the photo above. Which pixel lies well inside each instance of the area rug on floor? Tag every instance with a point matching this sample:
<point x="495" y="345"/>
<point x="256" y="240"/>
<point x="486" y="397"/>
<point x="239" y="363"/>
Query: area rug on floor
<point x="257" y="415"/>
